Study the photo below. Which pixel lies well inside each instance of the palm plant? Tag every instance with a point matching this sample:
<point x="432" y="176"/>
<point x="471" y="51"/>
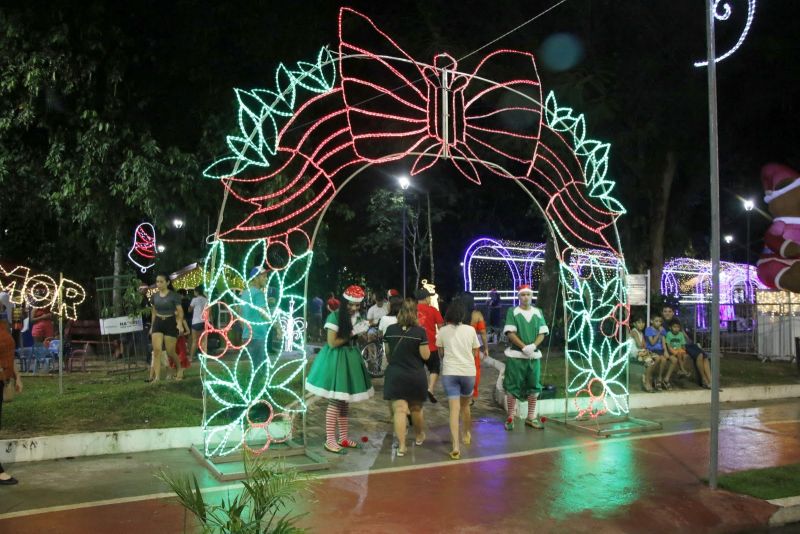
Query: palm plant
<point x="262" y="507"/>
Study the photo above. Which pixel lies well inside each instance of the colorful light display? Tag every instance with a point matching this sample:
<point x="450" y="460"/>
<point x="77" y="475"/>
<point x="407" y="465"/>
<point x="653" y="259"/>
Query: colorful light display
<point x="144" y="247"/>
<point x="42" y="291"/>
<point x="722" y="11"/>
<point x="689" y="280"/>
<point x="777" y="303"/>
<point x="298" y="143"/>
<point x="235" y="386"/>
<point x="588" y="403"/>
<point x="504" y="265"/>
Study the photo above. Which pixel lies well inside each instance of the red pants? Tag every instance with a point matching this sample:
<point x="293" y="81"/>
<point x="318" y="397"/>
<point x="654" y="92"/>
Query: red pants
<point x="477" y="374"/>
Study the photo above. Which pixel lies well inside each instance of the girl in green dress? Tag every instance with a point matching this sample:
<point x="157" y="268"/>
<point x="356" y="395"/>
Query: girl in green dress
<point x="338" y="372"/>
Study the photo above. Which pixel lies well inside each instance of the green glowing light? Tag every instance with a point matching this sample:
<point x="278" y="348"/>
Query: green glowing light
<point x="230" y="380"/>
<point x="263" y="111"/>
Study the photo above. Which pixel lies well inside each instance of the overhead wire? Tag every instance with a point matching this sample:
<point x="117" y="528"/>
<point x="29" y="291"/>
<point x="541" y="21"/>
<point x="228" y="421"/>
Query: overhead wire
<point x="475" y="51"/>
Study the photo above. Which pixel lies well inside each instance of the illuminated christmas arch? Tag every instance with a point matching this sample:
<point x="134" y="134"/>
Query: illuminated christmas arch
<point x="504" y="265"/>
<point x="323" y="123"/>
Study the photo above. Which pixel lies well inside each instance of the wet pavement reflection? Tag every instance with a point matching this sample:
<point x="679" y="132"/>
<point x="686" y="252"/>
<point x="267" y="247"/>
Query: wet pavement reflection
<point x="556" y="480"/>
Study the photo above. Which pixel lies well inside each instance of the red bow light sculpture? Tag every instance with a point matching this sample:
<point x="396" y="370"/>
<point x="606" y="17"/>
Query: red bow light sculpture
<point x="388" y="106"/>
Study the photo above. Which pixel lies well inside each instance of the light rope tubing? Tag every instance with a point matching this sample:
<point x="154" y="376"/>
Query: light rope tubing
<point x="493" y="165"/>
<point x="250" y="138"/>
<point x="496" y="166"/>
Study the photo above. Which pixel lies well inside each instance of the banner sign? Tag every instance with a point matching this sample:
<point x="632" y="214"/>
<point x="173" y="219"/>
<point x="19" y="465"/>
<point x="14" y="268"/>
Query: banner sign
<point x="120" y="325"/>
<point x="637" y="289"/>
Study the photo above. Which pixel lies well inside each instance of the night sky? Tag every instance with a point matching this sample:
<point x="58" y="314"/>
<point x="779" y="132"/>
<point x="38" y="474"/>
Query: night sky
<point x="629" y="70"/>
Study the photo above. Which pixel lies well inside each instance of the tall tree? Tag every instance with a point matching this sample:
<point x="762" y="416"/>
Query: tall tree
<point x="75" y="129"/>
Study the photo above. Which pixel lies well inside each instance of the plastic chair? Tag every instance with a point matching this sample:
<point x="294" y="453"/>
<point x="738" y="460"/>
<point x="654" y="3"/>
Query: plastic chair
<point x="41" y="356"/>
<point x="53" y="348"/>
<point x="77" y="355"/>
<point x="24" y="355"/>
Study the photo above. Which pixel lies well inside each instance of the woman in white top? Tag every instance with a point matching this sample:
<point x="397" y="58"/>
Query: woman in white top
<point x="196" y="308"/>
<point x="390" y="318"/>
<point x="458" y="343"/>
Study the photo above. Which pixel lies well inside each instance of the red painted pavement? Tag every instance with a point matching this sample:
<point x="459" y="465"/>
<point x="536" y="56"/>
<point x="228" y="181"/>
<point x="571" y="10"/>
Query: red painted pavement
<point x="647" y="485"/>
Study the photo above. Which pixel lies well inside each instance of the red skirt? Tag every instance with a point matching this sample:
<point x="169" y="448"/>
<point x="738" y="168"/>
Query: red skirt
<point x="183" y="355"/>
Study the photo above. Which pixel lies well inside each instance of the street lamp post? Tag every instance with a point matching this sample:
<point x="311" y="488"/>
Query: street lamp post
<point x="748" y="207"/>
<point x="404" y="185"/>
<point x="728" y="238"/>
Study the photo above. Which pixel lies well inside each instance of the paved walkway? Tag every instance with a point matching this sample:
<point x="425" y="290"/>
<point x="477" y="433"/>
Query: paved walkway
<point x="555" y="480"/>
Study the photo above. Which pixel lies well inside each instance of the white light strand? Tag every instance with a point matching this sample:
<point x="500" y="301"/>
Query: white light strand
<point x="725" y="15"/>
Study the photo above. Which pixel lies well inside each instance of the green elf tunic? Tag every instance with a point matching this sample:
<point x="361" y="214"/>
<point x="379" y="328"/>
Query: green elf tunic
<point x="339" y="373"/>
<point x="523" y="374"/>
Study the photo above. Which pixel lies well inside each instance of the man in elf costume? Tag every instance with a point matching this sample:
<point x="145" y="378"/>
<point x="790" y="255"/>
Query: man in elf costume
<point x="525" y="329"/>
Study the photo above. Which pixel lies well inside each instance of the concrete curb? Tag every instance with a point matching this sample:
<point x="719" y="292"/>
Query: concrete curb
<point x="681" y="398"/>
<point x="127" y="441"/>
<point x="788" y="511"/>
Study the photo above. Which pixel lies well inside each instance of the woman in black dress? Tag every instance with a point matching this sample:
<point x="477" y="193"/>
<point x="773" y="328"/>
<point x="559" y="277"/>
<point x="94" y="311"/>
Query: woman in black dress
<point x="405" y="382"/>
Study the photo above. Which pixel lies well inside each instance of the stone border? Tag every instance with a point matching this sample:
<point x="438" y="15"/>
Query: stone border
<point x="127" y="441"/>
<point x="661" y="399"/>
<point x="788" y="511"/>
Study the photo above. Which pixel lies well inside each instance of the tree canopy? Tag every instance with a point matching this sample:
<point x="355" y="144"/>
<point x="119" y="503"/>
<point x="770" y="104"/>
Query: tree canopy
<point x="109" y="113"/>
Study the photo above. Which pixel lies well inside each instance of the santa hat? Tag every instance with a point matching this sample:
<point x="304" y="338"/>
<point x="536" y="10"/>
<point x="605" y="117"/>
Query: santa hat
<point x="392" y="293"/>
<point x="524" y="288"/>
<point x="354" y="294"/>
<point x="775" y="176"/>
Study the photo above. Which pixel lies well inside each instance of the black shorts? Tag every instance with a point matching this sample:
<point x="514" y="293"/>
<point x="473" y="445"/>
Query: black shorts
<point x="434" y="363"/>
<point x="694" y="351"/>
<point x="167" y="326"/>
<point x="198" y="326"/>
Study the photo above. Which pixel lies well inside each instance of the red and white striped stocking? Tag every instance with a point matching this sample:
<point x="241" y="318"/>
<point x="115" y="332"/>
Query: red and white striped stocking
<point x="344" y="415"/>
<point x="331" y="416"/>
<point x="532" y="407"/>
<point x="511" y="404"/>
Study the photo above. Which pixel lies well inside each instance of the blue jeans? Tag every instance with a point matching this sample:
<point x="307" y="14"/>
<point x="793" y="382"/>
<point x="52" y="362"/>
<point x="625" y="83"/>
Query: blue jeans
<point x="456" y="386"/>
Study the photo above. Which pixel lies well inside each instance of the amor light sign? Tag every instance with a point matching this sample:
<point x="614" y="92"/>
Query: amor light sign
<point x="42" y="291"/>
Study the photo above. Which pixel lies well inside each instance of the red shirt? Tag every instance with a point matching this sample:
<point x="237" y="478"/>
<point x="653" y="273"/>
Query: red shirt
<point x="429" y="318"/>
<point x="333" y="303"/>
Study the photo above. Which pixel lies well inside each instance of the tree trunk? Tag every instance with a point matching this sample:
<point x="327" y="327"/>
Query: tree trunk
<point x="548" y="282"/>
<point x="658" y="221"/>
<point x="430" y="239"/>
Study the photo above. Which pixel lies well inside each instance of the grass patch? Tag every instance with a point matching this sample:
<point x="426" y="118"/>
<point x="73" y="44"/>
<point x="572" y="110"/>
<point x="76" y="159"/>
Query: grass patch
<point x="99" y="403"/>
<point x="769" y="483"/>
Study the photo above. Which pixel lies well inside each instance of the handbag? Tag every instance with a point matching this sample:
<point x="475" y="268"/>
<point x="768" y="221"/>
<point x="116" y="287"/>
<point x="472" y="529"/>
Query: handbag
<point x="8" y="390"/>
